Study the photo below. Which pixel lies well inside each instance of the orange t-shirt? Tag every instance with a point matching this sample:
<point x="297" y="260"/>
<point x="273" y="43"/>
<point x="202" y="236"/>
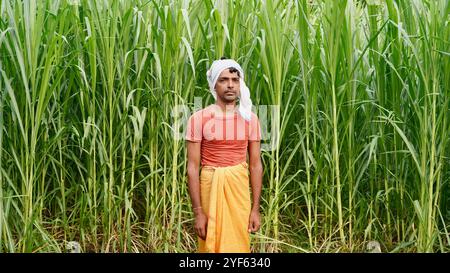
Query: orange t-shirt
<point x="224" y="138"/>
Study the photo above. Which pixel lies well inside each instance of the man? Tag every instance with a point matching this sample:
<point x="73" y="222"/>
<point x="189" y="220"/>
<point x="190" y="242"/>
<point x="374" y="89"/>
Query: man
<point x="218" y="138"/>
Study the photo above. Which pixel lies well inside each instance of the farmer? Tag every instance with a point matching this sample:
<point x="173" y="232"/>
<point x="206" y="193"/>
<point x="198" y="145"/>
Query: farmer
<point x="218" y="138"/>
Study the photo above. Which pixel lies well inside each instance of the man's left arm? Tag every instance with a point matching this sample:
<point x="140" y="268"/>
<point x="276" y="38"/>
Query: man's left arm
<point x="256" y="173"/>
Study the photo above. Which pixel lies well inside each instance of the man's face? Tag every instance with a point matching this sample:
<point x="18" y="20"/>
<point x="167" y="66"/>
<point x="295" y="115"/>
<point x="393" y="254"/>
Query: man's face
<point x="227" y="86"/>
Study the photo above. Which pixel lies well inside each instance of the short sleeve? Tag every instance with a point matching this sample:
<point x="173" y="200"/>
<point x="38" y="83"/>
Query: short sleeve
<point x="194" y="128"/>
<point x="255" y="129"/>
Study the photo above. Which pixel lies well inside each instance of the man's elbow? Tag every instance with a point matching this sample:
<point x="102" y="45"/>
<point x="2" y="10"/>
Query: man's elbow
<point x="192" y="169"/>
<point x="256" y="167"/>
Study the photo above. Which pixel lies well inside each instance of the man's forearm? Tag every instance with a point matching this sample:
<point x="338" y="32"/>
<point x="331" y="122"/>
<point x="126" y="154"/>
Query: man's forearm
<point x="256" y="173"/>
<point x="194" y="187"/>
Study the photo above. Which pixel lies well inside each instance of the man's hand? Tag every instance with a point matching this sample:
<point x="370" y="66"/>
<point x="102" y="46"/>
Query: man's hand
<point x="254" y="221"/>
<point x="201" y="224"/>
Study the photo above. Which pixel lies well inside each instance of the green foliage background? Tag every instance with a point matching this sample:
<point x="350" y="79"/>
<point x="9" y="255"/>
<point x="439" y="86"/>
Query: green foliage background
<point x="87" y="151"/>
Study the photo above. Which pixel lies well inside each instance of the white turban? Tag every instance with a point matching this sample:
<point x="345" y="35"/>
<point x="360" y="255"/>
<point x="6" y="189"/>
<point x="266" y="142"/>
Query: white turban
<point x="245" y="103"/>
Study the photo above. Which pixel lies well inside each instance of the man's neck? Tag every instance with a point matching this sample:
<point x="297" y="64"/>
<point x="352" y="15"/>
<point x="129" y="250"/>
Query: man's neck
<point x="226" y="107"/>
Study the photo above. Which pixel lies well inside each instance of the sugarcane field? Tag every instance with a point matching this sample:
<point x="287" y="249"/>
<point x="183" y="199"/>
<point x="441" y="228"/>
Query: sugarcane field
<point x="344" y="107"/>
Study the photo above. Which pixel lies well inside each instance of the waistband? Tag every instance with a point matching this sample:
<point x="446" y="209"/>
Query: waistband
<point x="207" y="167"/>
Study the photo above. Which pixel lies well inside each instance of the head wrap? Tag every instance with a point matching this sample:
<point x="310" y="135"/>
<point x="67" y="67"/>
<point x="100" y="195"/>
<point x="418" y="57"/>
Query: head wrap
<point x="245" y="103"/>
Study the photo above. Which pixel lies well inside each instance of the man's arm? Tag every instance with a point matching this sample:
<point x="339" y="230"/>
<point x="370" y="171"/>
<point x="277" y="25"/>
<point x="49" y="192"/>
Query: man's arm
<point x="193" y="167"/>
<point x="256" y="173"/>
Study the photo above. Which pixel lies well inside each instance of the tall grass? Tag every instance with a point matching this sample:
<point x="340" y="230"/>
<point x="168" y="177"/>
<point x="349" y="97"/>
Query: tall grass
<point x="359" y="141"/>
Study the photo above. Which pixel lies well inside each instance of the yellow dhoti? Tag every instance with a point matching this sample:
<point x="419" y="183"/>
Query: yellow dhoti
<point x="225" y="198"/>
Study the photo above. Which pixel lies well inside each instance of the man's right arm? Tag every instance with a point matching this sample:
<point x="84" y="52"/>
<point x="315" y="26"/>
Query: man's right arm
<point x="193" y="168"/>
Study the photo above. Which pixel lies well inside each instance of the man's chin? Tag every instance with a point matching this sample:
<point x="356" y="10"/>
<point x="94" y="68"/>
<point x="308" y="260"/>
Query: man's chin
<point x="229" y="99"/>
